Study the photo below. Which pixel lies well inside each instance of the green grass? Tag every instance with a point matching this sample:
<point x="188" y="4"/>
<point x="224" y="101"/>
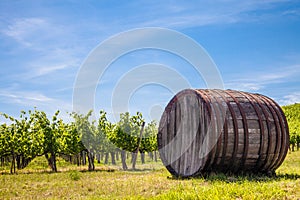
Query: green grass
<point x="151" y="181"/>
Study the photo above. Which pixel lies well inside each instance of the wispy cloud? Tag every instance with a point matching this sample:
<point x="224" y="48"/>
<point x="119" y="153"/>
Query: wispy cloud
<point x="259" y="80"/>
<point x="290" y="99"/>
<point x="243" y="85"/>
<point x="51" y="46"/>
<point x="46" y="42"/>
<point x="291" y="12"/>
<point x="28" y="98"/>
<point x="201" y="13"/>
<point x="50" y="64"/>
<point x="22" y="29"/>
<point x="166" y="14"/>
<point x="48" y="69"/>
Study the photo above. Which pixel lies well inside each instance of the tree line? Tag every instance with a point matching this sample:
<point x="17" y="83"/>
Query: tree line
<point x="83" y="141"/>
<point x="79" y="141"/>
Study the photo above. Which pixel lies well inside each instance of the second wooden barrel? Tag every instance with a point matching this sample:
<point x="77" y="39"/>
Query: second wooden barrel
<point x="204" y="130"/>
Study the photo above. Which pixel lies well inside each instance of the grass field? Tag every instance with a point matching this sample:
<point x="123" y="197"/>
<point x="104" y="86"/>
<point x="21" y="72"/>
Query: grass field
<point x="151" y="181"/>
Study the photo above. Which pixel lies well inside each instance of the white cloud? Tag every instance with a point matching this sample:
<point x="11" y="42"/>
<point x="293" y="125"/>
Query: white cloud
<point x="49" y="69"/>
<point x="244" y="85"/>
<point x="166" y="14"/>
<point x="28" y="98"/>
<point x="46" y="66"/>
<point x="22" y="29"/>
<point x="50" y="62"/>
<point x="292" y="12"/>
<point x="48" y="44"/>
<point x="51" y="43"/>
<point x="290" y="99"/>
<point x="259" y="80"/>
<point x="201" y="13"/>
<point x="281" y="74"/>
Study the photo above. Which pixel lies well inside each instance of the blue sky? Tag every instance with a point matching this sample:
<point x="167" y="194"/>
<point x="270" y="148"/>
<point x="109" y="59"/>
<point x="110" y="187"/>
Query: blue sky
<point x="255" y="45"/>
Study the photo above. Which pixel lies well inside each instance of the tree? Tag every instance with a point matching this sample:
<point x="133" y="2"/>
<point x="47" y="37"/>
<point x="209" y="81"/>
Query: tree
<point x="52" y="131"/>
<point x="292" y="113"/>
<point x="20" y="141"/>
<point x="34" y="134"/>
<point x="126" y="134"/>
<point x="87" y="133"/>
<point x="70" y="139"/>
<point x="149" y="141"/>
<point x="105" y="130"/>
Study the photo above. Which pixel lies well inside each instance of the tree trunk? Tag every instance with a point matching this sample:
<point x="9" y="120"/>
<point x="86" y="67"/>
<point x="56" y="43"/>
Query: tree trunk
<point x="133" y="160"/>
<point x="113" y="160"/>
<point x="123" y="158"/>
<point x="91" y="161"/>
<point x="51" y="161"/>
<point x="155" y="156"/>
<point x="83" y="158"/>
<point x="78" y="159"/>
<point x="18" y="159"/>
<point x="106" y="158"/>
<point x="117" y="155"/>
<point x="151" y="155"/>
<point x="13" y="164"/>
<point x="132" y="157"/>
<point x="22" y="162"/>
<point x="143" y="158"/>
<point x="98" y="158"/>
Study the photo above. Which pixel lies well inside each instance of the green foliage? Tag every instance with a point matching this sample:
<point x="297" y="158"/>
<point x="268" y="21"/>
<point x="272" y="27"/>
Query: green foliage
<point x="105" y="130"/>
<point x="149" y="140"/>
<point x="35" y="134"/>
<point x="22" y="139"/>
<point x="85" y="129"/>
<point x="292" y="113"/>
<point x="125" y="134"/>
<point x="70" y="140"/>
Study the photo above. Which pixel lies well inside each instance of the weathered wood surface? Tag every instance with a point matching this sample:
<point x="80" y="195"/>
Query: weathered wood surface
<point x="222" y="130"/>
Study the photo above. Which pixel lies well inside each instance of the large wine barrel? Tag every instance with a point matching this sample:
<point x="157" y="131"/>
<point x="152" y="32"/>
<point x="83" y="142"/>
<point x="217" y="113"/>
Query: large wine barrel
<point x="207" y="130"/>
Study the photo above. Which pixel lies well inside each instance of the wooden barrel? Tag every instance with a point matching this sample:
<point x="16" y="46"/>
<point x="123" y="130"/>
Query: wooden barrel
<point x="204" y="130"/>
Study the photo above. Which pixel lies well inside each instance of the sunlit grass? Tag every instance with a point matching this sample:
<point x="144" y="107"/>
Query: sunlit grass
<point x="291" y="164"/>
<point x="150" y="181"/>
